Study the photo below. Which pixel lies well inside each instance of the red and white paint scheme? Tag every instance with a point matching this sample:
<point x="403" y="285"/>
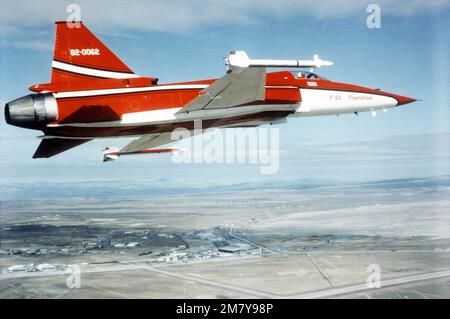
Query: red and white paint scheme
<point x="93" y="94"/>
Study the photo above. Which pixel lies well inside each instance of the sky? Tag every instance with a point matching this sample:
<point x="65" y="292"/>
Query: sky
<point x="187" y="40"/>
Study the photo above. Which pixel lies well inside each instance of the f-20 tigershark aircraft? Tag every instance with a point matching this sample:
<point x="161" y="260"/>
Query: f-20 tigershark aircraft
<point x="93" y="94"/>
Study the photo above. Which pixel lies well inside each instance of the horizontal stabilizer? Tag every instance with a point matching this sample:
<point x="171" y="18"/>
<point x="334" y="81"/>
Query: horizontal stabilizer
<point x="52" y="146"/>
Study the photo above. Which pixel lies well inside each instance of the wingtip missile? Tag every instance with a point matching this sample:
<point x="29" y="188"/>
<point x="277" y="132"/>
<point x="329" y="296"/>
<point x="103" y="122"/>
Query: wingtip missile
<point x="242" y="60"/>
<point x="320" y="63"/>
<point x="112" y="153"/>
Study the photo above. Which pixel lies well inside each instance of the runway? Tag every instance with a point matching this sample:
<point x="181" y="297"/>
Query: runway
<point x="166" y="271"/>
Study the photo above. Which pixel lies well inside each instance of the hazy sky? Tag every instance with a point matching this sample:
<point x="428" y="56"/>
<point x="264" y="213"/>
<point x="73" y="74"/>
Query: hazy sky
<point x="186" y="40"/>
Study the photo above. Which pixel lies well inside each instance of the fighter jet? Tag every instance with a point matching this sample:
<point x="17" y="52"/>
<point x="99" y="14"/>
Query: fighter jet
<point x="93" y="94"/>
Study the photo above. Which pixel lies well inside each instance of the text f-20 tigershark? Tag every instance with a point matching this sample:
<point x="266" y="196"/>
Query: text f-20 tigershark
<point x="93" y="94"/>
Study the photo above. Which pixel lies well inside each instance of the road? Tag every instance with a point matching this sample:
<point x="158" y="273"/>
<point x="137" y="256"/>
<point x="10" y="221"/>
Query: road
<point x="230" y="232"/>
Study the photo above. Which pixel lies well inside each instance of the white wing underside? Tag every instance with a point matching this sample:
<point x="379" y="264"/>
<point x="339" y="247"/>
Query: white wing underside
<point x="148" y="141"/>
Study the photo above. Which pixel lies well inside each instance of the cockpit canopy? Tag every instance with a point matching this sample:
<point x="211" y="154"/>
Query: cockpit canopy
<point x="308" y="75"/>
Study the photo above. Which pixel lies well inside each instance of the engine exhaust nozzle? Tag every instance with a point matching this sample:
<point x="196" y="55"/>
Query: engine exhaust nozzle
<point x="32" y="111"/>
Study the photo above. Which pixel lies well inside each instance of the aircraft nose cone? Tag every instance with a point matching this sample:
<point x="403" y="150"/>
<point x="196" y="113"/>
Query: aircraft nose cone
<point x="401" y="100"/>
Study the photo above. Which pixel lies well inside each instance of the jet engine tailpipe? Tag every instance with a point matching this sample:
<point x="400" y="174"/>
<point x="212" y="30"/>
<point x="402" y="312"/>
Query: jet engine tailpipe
<point x="32" y="111"/>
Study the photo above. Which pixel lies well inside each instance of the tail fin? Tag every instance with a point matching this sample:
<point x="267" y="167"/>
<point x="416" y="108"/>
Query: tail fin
<point x="80" y="55"/>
